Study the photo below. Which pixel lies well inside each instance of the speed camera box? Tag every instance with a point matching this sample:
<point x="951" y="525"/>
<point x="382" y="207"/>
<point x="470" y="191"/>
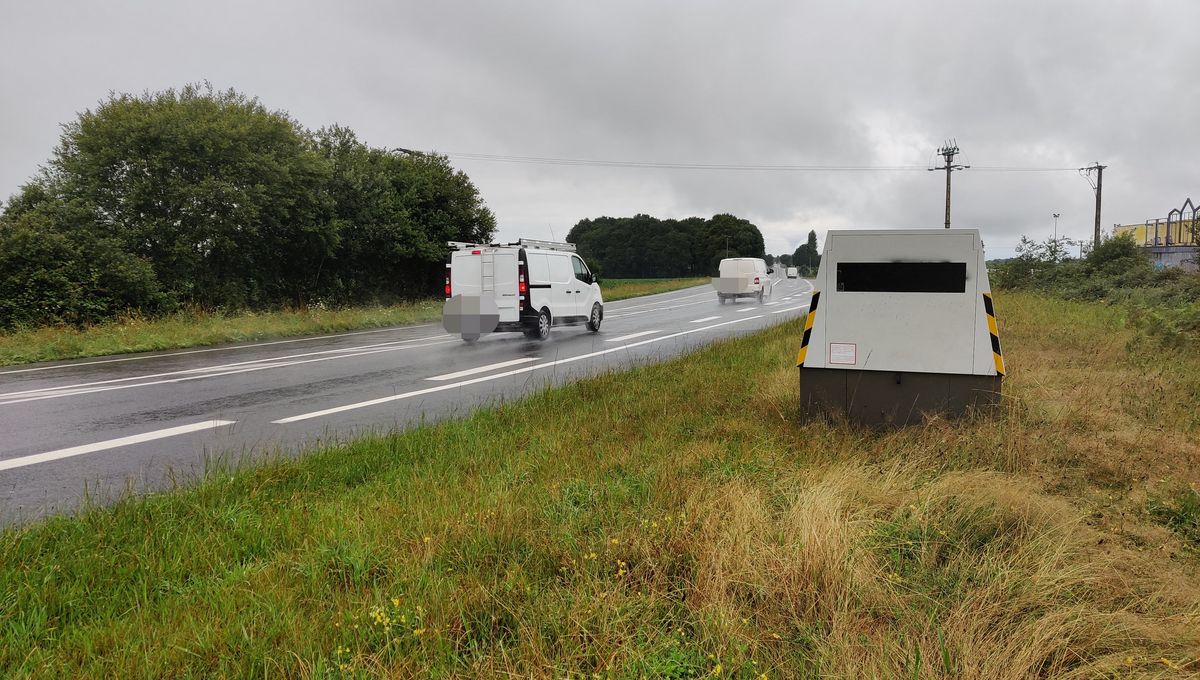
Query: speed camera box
<point x="901" y="325"/>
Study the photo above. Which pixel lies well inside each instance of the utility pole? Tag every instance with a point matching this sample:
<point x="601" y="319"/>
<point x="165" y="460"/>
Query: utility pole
<point x="1056" y="216"/>
<point x="948" y="151"/>
<point x="1097" y="187"/>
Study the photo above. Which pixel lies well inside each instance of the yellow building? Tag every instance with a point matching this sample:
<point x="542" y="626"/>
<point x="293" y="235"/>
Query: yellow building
<point x="1170" y="242"/>
<point x="1157" y="233"/>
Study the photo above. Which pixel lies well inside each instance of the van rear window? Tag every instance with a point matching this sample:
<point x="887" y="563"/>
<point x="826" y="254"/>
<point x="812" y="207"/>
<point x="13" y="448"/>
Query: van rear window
<point x="902" y="277"/>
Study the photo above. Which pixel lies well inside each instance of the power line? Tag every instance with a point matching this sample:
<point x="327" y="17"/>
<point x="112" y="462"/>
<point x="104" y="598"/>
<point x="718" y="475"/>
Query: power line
<point x="535" y="160"/>
<point x="671" y="165"/>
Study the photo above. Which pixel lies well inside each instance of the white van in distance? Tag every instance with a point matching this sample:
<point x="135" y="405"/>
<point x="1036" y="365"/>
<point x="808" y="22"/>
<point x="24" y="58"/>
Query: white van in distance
<point x="793" y="272"/>
<point x="526" y="286"/>
<point x="742" y="277"/>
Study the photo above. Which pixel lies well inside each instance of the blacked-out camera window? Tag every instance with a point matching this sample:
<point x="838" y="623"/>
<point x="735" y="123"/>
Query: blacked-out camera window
<point x="902" y="277"/>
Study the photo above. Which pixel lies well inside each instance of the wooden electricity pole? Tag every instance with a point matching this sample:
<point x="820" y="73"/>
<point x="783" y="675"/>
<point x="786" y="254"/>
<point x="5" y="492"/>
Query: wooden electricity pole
<point x="948" y="151"/>
<point x="1097" y="187"/>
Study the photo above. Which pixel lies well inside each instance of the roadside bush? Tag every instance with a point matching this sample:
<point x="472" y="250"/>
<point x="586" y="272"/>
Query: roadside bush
<point x="1164" y="304"/>
<point x="47" y="277"/>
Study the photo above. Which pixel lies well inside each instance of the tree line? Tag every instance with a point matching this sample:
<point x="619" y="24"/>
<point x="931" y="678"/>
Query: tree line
<point x="201" y="198"/>
<point x="648" y="247"/>
<point x="806" y="258"/>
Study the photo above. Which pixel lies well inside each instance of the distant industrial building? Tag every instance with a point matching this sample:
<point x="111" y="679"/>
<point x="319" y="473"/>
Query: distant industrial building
<point x="1173" y="241"/>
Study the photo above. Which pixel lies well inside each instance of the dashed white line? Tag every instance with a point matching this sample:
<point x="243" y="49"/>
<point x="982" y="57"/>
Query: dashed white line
<point x="482" y="369"/>
<point x="748" y="309"/>
<point x="707" y="318"/>
<point x="655" y="309"/>
<point x="215" y="368"/>
<point x="111" y="444"/>
<point x="631" y="336"/>
<point x="255" y="366"/>
<point x="789" y="309"/>
<point x="495" y="376"/>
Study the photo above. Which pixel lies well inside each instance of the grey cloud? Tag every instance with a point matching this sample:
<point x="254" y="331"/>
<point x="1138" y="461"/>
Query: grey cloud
<point x="1028" y="83"/>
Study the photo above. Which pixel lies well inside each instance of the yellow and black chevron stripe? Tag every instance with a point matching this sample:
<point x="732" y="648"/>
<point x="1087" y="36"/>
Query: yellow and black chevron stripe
<point x="997" y="355"/>
<point x="808" y="324"/>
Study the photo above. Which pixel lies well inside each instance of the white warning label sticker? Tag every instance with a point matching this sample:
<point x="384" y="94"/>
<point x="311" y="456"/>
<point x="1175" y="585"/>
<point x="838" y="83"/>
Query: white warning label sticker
<point x="843" y="353"/>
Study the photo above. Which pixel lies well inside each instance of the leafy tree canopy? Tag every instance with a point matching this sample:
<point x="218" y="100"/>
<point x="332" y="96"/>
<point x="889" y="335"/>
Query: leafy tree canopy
<point x="647" y="247"/>
<point x="208" y="198"/>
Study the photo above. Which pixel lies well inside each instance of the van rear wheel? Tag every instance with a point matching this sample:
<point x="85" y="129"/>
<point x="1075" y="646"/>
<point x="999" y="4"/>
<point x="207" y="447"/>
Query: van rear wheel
<point x="597" y="315"/>
<point x="541" y="330"/>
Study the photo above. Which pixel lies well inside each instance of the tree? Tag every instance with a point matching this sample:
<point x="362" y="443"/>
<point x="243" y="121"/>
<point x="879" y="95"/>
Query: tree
<point x="807" y="257"/>
<point x="729" y="236"/>
<point x="786" y="259"/>
<point x="643" y="246"/>
<point x="393" y="214"/>
<point x="770" y="259"/>
<point x="208" y="198"/>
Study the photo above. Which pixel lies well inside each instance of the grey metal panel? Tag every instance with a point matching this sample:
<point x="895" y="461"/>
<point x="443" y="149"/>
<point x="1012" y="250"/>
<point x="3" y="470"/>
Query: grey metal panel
<point x="893" y="398"/>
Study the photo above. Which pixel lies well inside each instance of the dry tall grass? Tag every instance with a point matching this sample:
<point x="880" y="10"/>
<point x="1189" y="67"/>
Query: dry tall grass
<point x="644" y="524"/>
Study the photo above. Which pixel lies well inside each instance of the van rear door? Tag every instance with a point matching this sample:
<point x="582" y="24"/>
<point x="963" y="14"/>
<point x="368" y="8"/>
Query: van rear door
<point x="490" y="273"/>
<point x="501" y="274"/>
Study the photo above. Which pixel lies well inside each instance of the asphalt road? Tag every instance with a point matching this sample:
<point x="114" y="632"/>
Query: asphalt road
<point x="138" y="421"/>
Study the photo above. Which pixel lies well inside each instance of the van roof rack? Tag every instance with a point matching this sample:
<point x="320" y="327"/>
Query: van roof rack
<point x="524" y="242"/>
<point x="548" y="245"/>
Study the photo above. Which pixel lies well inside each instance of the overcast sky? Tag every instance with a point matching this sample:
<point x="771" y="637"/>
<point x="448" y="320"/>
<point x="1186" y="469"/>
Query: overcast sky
<point x="1032" y="84"/>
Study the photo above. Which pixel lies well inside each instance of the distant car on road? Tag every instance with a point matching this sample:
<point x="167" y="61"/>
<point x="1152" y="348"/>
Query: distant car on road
<point x="793" y="273"/>
<point x="527" y="286"/>
<point x="742" y="277"/>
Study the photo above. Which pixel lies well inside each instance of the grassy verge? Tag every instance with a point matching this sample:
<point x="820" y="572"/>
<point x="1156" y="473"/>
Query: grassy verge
<point x="644" y="524"/>
<point x="620" y="289"/>
<point x="197" y="328"/>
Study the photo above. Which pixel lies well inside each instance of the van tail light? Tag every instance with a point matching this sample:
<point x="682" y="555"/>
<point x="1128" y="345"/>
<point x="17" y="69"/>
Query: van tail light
<point x="447" y="281"/>
<point x="755" y="281"/>
<point x="476" y="252"/>
<point x="522" y="285"/>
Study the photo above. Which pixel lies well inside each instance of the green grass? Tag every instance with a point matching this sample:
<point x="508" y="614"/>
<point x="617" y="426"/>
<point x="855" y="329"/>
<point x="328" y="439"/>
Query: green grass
<point x="200" y="328"/>
<point x="620" y="289"/>
<point x="1179" y="510"/>
<point x="645" y="524"/>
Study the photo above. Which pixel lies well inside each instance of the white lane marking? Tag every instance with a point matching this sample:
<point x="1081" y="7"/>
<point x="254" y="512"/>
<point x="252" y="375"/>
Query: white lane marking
<point x="232" y="348"/>
<point x="748" y="309"/>
<point x="496" y="376"/>
<point x="707" y="318"/>
<point x="213" y="349"/>
<point x="208" y="369"/>
<point x="631" y="336"/>
<point x="655" y="309"/>
<point x="250" y="369"/>
<point x="111" y="444"/>
<point x="482" y="369"/>
<point x="655" y="302"/>
<point x="770" y="303"/>
<point x="790" y="309"/>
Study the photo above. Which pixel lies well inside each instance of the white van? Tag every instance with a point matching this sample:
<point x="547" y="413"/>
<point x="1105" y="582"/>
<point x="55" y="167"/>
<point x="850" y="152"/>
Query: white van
<point x="526" y="286"/>
<point x="793" y="272"/>
<point x="742" y="277"/>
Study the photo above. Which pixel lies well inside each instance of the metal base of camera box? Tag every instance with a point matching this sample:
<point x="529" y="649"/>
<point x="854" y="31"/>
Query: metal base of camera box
<point x="894" y="398"/>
